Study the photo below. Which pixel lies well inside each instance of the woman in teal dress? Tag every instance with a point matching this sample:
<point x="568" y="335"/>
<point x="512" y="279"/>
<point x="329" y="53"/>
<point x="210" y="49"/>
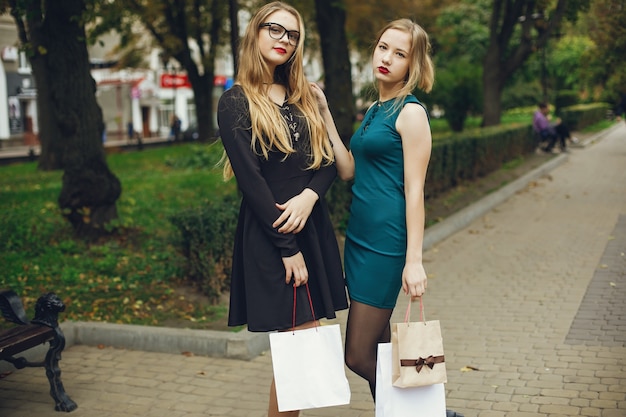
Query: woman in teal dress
<point x="388" y="159"/>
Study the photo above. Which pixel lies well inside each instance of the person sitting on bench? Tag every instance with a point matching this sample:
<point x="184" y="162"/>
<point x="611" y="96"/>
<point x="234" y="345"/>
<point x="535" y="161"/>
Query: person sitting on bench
<point x="549" y="131"/>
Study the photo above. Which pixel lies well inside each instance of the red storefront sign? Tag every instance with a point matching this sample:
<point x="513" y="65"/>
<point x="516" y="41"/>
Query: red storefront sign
<point x="175" y="81"/>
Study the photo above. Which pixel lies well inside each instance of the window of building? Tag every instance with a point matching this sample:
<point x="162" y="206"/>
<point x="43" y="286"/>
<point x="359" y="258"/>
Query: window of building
<point x="23" y="64"/>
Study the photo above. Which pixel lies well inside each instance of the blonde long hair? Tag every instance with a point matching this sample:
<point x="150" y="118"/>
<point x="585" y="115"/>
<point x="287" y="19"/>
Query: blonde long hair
<point x="269" y="129"/>
<point x="421" y="68"/>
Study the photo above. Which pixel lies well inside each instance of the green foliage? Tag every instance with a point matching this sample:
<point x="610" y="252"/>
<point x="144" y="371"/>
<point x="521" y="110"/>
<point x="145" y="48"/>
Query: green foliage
<point x="458" y="90"/>
<point x="564" y="62"/>
<point x="521" y="94"/>
<point x="134" y="275"/>
<point x="565" y="98"/>
<point x="473" y="154"/>
<point x="200" y="156"/>
<point x="606" y="61"/>
<point x="460" y="37"/>
<point x="207" y="237"/>
<point x="338" y="198"/>
<point x="580" y="116"/>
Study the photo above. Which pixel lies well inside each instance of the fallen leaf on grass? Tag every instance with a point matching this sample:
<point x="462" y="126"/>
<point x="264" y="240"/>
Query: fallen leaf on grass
<point x="469" y="368"/>
<point x="188" y="354"/>
<point x="612" y="284"/>
<point x="5" y="374"/>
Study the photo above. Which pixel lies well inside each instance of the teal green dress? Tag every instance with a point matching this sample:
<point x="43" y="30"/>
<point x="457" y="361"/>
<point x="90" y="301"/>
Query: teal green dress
<point x="375" y="248"/>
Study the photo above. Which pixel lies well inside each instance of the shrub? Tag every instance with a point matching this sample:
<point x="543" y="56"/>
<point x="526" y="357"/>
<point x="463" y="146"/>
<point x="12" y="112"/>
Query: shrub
<point x="473" y="154"/>
<point x="565" y="98"/>
<point x="583" y="115"/>
<point x="206" y="237"/>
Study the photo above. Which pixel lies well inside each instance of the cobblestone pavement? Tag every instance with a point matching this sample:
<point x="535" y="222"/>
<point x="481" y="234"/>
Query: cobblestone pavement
<point x="532" y="296"/>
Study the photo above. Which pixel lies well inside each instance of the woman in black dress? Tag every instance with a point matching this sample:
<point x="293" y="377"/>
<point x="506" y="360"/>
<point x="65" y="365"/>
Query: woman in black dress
<point x="278" y="150"/>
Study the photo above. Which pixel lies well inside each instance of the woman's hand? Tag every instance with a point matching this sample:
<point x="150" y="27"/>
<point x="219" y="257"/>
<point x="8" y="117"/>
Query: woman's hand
<point x="322" y="103"/>
<point x="296" y="270"/>
<point x="296" y="212"/>
<point x="414" y="280"/>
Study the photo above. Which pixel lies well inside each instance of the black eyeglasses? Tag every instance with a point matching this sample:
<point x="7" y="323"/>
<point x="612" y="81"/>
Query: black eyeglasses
<point x="278" y="31"/>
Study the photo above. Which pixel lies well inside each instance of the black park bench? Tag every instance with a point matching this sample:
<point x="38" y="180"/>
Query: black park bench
<point x="43" y="328"/>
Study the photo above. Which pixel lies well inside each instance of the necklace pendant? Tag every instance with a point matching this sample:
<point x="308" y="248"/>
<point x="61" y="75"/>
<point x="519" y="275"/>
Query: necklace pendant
<point x="296" y="136"/>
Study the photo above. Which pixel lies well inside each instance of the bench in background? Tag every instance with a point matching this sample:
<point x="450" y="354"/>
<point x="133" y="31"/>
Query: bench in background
<point x="44" y="328"/>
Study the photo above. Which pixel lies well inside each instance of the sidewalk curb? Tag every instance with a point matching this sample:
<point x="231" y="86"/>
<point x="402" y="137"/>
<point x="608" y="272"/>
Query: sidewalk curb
<point x="223" y="344"/>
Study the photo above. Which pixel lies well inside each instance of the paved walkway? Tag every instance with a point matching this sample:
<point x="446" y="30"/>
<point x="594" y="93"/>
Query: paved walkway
<point x="530" y="295"/>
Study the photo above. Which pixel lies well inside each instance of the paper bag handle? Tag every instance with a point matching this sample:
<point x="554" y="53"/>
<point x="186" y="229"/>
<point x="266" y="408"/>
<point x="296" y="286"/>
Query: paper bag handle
<point x="293" y="321"/>
<point x="407" y="315"/>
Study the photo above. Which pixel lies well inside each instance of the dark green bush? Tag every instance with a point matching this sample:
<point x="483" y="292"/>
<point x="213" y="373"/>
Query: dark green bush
<point x="565" y="98"/>
<point x="583" y="115"/>
<point x="523" y="94"/>
<point x="206" y="237"/>
<point x="458" y="90"/>
<point x="338" y="198"/>
<point x="473" y="154"/>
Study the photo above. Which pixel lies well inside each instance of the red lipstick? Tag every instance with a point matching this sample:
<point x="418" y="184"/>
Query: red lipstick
<point x="383" y="70"/>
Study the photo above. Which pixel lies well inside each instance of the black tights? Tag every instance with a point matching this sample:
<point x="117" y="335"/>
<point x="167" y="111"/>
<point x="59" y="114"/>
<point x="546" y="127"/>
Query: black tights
<point x="367" y="326"/>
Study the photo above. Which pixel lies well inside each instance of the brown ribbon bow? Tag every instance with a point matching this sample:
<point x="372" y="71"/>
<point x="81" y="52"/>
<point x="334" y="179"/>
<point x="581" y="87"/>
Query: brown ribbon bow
<point x="419" y="363"/>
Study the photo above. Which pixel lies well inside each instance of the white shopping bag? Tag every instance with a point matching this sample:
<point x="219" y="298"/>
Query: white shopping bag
<point x="427" y="401"/>
<point x="308" y="368"/>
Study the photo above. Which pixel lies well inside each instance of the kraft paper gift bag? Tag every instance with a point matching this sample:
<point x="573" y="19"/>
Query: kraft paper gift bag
<point x="427" y="401"/>
<point x="417" y="352"/>
<point x="309" y="368"/>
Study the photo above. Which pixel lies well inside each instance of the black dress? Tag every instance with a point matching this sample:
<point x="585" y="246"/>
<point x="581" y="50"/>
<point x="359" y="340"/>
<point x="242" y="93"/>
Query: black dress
<point x="259" y="296"/>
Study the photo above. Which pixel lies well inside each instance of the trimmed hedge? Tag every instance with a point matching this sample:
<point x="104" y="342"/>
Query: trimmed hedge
<point x="582" y="115"/>
<point x="470" y="155"/>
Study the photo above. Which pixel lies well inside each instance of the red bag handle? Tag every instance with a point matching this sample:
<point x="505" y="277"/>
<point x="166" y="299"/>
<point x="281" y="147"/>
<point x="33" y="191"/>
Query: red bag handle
<point x="293" y="321"/>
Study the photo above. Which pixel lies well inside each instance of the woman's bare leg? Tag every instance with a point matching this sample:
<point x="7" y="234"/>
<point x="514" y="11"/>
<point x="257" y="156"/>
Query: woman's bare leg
<point x="273" y="406"/>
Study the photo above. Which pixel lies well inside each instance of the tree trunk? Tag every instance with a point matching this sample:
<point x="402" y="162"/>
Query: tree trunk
<point x="203" y="98"/>
<point x="331" y="18"/>
<point x="233" y="11"/>
<point x="493" y="83"/>
<point x="72" y="124"/>
<point x="203" y="84"/>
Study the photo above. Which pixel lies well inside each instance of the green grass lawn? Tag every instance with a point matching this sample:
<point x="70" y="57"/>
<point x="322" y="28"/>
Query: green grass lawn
<point x="132" y="277"/>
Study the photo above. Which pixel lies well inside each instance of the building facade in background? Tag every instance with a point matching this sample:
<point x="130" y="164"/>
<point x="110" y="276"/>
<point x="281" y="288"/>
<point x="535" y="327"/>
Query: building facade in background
<point x="18" y="94"/>
<point x="134" y="102"/>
